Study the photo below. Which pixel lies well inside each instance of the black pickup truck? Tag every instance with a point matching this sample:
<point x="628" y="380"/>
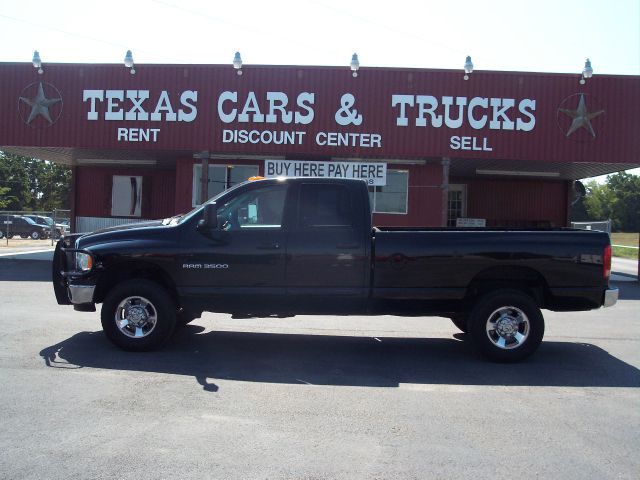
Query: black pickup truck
<point x="306" y="246"/>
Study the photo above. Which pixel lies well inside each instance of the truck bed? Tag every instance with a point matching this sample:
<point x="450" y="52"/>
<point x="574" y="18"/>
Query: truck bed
<point x="443" y="262"/>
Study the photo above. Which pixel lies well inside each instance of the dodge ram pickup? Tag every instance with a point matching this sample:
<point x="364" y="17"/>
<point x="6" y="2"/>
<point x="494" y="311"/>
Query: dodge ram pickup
<point x="307" y="246"/>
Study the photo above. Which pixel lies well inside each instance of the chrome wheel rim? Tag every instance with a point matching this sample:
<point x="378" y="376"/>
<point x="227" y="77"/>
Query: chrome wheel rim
<point x="508" y="327"/>
<point x="136" y="317"/>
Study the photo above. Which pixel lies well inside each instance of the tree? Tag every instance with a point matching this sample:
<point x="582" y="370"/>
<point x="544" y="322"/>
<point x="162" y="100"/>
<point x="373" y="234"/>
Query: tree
<point x="14" y="177"/>
<point x="4" y="201"/>
<point x="625" y="188"/>
<point x="599" y="201"/>
<point x="618" y="200"/>
<point x="33" y="184"/>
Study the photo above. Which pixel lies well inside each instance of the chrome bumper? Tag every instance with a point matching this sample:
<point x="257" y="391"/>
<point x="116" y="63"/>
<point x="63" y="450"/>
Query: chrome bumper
<point x="81" y="294"/>
<point x="610" y="297"/>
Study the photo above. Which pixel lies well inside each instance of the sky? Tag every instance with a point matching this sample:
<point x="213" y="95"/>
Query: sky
<point x="509" y="35"/>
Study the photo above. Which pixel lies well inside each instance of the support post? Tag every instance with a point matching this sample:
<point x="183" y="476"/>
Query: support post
<point x="204" y="176"/>
<point x="570" y="201"/>
<point x="446" y="162"/>
<point x="73" y="227"/>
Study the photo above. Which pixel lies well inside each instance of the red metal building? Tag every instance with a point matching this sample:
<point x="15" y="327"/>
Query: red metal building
<point x="501" y="148"/>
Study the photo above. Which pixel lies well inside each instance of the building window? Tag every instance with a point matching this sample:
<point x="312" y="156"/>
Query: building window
<point x="126" y="196"/>
<point x="393" y="197"/>
<point x="456" y="204"/>
<point x="221" y="177"/>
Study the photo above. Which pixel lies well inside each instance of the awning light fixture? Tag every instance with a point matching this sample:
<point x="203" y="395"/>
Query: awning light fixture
<point x="587" y="72"/>
<point x="128" y="62"/>
<point x="237" y="63"/>
<point x="37" y="63"/>
<point x="355" y="65"/>
<point x="468" y="67"/>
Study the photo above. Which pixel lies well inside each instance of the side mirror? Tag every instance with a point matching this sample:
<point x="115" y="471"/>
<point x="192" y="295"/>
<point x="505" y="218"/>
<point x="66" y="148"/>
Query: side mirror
<point x="209" y="217"/>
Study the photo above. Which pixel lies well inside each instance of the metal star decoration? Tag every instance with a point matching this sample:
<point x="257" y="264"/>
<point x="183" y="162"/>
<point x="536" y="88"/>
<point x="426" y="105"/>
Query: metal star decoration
<point x="581" y="117"/>
<point x="40" y="105"/>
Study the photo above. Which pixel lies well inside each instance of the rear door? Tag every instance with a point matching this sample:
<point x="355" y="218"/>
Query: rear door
<point x="327" y="254"/>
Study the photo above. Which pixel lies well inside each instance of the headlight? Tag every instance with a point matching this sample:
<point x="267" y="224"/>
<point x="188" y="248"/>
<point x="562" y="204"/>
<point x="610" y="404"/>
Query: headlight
<point x="84" y="262"/>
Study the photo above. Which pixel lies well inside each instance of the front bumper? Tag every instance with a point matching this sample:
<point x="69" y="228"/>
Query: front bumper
<point x="79" y="294"/>
<point x="71" y="287"/>
<point x="610" y="297"/>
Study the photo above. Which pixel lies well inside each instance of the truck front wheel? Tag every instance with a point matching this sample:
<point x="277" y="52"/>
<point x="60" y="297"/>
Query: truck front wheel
<point x="506" y="326"/>
<point x="138" y="315"/>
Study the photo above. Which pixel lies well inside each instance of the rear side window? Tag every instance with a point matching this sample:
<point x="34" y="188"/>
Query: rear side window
<point x="323" y="205"/>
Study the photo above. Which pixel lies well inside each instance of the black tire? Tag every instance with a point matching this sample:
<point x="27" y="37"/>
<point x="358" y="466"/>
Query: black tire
<point x="506" y="326"/>
<point x="146" y="315"/>
<point x="24" y="236"/>
<point x="35" y="235"/>
<point x="460" y="321"/>
<point x="1" y="234"/>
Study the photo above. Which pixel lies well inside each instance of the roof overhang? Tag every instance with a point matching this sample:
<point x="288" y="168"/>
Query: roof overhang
<point x="459" y="167"/>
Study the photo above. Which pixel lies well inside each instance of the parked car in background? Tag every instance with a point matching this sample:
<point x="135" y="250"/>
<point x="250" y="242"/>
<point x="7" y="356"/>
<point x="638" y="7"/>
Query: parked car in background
<point x="15" y="225"/>
<point x="58" y="228"/>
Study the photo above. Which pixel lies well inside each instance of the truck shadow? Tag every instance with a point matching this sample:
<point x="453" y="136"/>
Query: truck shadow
<point x="12" y="270"/>
<point x="628" y="290"/>
<point x="344" y="361"/>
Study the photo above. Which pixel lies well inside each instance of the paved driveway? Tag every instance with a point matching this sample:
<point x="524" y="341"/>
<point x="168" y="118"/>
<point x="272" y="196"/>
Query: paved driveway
<point x="311" y="397"/>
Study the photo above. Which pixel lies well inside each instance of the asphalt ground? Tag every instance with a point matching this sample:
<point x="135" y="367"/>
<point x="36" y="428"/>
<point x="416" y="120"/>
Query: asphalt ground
<point x="311" y="397"/>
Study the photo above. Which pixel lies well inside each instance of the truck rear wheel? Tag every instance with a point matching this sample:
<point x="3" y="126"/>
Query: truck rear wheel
<point x="506" y="326"/>
<point x="138" y="315"/>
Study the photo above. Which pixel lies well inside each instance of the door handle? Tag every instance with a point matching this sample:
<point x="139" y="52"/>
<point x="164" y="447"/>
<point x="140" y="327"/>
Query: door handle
<point x="269" y="246"/>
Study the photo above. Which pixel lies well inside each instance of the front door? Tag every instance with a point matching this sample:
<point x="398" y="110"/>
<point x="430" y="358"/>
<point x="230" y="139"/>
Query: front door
<point x="245" y="256"/>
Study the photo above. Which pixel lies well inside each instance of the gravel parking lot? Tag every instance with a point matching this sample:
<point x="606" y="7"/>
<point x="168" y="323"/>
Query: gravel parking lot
<point x="311" y="397"/>
<point x="22" y="244"/>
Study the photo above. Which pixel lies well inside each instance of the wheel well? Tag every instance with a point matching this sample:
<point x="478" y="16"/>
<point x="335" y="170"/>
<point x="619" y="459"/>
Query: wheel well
<point x="525" y="279"/>
<point x="130" y="270"/>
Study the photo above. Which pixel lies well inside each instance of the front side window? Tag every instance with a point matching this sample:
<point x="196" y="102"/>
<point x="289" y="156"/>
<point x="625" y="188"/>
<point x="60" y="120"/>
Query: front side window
<point x="258" y="208"/>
